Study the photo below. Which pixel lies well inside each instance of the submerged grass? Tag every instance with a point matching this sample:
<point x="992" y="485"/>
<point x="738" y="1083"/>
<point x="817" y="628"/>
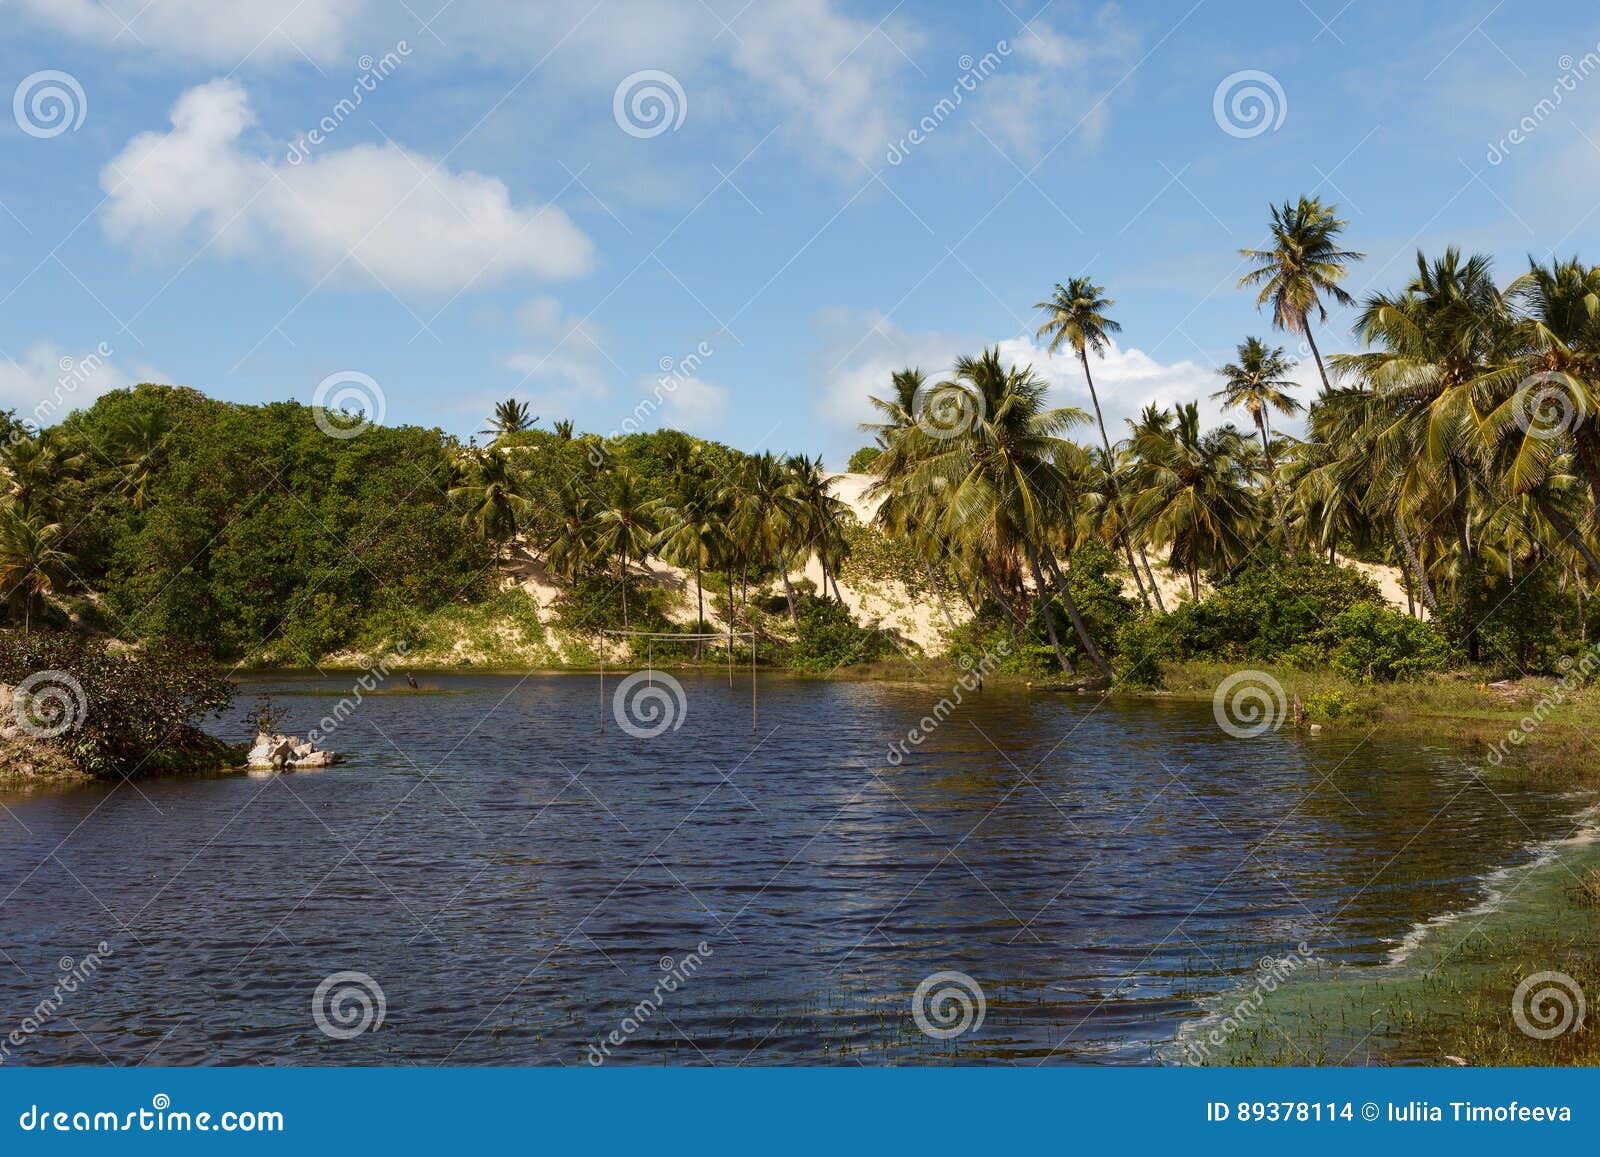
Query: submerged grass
<point x="1452" y="1000"/>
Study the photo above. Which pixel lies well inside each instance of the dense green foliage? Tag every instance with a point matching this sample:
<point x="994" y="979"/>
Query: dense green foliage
<point x="136" y="712"/>
<point x="1305" y="613"/>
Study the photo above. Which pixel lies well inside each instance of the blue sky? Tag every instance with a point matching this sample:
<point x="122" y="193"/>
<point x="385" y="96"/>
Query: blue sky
<point x="497" y="217"/>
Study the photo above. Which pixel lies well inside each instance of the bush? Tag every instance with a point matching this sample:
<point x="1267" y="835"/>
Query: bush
<point x="861" y="461"/>
<point x="125" y="714"/>
<point x="830" y="638"/>
<point x="989" y="642"/>
<point x="1379" y="645"/>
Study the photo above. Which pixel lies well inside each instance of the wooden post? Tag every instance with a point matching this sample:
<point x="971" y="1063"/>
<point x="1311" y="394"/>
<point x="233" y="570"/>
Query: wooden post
<point x="753" y="710"/>
<point x="602" y="683"/>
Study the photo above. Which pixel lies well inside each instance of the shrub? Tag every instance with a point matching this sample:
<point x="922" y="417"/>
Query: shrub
<point x="830" y="637"/>
<point x="137" y="707"/>
<point x="1377" y="644"/>
<point x="990" y="642"/>
<point x="861" y="461"/>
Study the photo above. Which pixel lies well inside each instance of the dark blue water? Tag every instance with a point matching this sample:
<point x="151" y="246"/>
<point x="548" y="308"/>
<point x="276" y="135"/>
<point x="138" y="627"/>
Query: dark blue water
<point x="516" y="883"/>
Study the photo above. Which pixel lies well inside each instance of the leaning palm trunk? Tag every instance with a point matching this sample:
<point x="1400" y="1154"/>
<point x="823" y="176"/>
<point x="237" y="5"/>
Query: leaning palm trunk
<point x="1111" y="476"/>
<point x="1078" y="624"/>
<point x="933" y="582"/>
<point x="1415" y="568"/>
<point x="1569" y="533"/>
<point x="1151" y="579"/>
<point x="1044" y="609"/>
<point x="788" y="593"/>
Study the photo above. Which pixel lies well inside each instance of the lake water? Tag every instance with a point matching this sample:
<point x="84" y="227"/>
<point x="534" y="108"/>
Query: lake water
<point x="516" y="882"/>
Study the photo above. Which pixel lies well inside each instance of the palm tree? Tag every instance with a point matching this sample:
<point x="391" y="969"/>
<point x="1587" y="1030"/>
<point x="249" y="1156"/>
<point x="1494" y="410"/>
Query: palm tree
<point x="32" y="468"/>
<point x="140" y="444"/>
<point x="493" y="500"/>
<point x="1432" y="349"/>
<point x="510" y="417"/>
<point x="1002" y="489"/>
<point x="1258" y="384"/>
<point x="31" y="559"/>
<point x="563" y="428"/>
<point x="766" y="518"/>
<point x="694" y="532"/>
<point x="1078" y="317"/>
<point x="1197" y="496"/>
<point x="626" y="526"/>
<point x="820" y="516"/>
<point x="1304" y="265"/>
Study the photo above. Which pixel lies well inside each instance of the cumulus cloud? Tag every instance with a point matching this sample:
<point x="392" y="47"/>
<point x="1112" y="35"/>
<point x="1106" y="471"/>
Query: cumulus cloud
<point x="209" y="30"/>
<point x="365" y="214"/>
<point x="832" y="80"/>
<point x="50" y="382"/>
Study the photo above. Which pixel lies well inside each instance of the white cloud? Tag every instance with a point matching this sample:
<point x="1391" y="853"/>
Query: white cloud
<point x="834" y="77"/>
<point x="209" y="30"/>
<point x="50" y="382"/>
<point x="1054" y="83"/>
<point x="833" y="81"/>
<point x="565" y="362"/>
<point x="364" y="215"/>
<point x="694" y="402"/>
<point x="863" y="351"/>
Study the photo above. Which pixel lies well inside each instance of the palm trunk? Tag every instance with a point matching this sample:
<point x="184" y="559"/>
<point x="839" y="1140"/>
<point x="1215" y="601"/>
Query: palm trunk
<point x="1305" y="326"/>
<point x="700" y="622"/>
<point x="933" y="582"/>
<point x="788" y="593"/>
<point x="1000" y="597"/>
<point x="1194" y="581"/>
<point x="1272" y="480"/>
<point x="1151" y="579"/>
<point x="1111" y="476"/>
<point x="1569" y="533"/>
<point x="1044" y="609"/>
<point x="1078" y="625"/>
<point x="1414" y="565"/>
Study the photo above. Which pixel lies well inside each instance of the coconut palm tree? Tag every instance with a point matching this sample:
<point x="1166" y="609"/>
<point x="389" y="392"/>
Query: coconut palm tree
<point x="140" y="445"/>
<point x="1078" y="317"/>
<point x="626" y="525"/>
<point x="1303" y="266"/>
<point x="493" y="500"/>
<point x="1258" y="384"/>
<point x="1198" y="495"/>
<point x="510" y="417"/>
<point x="1002" y="489"/>
<point x="694" y="532"/>
<point x="563" y="428"/>
<point x="32" y="562"/>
